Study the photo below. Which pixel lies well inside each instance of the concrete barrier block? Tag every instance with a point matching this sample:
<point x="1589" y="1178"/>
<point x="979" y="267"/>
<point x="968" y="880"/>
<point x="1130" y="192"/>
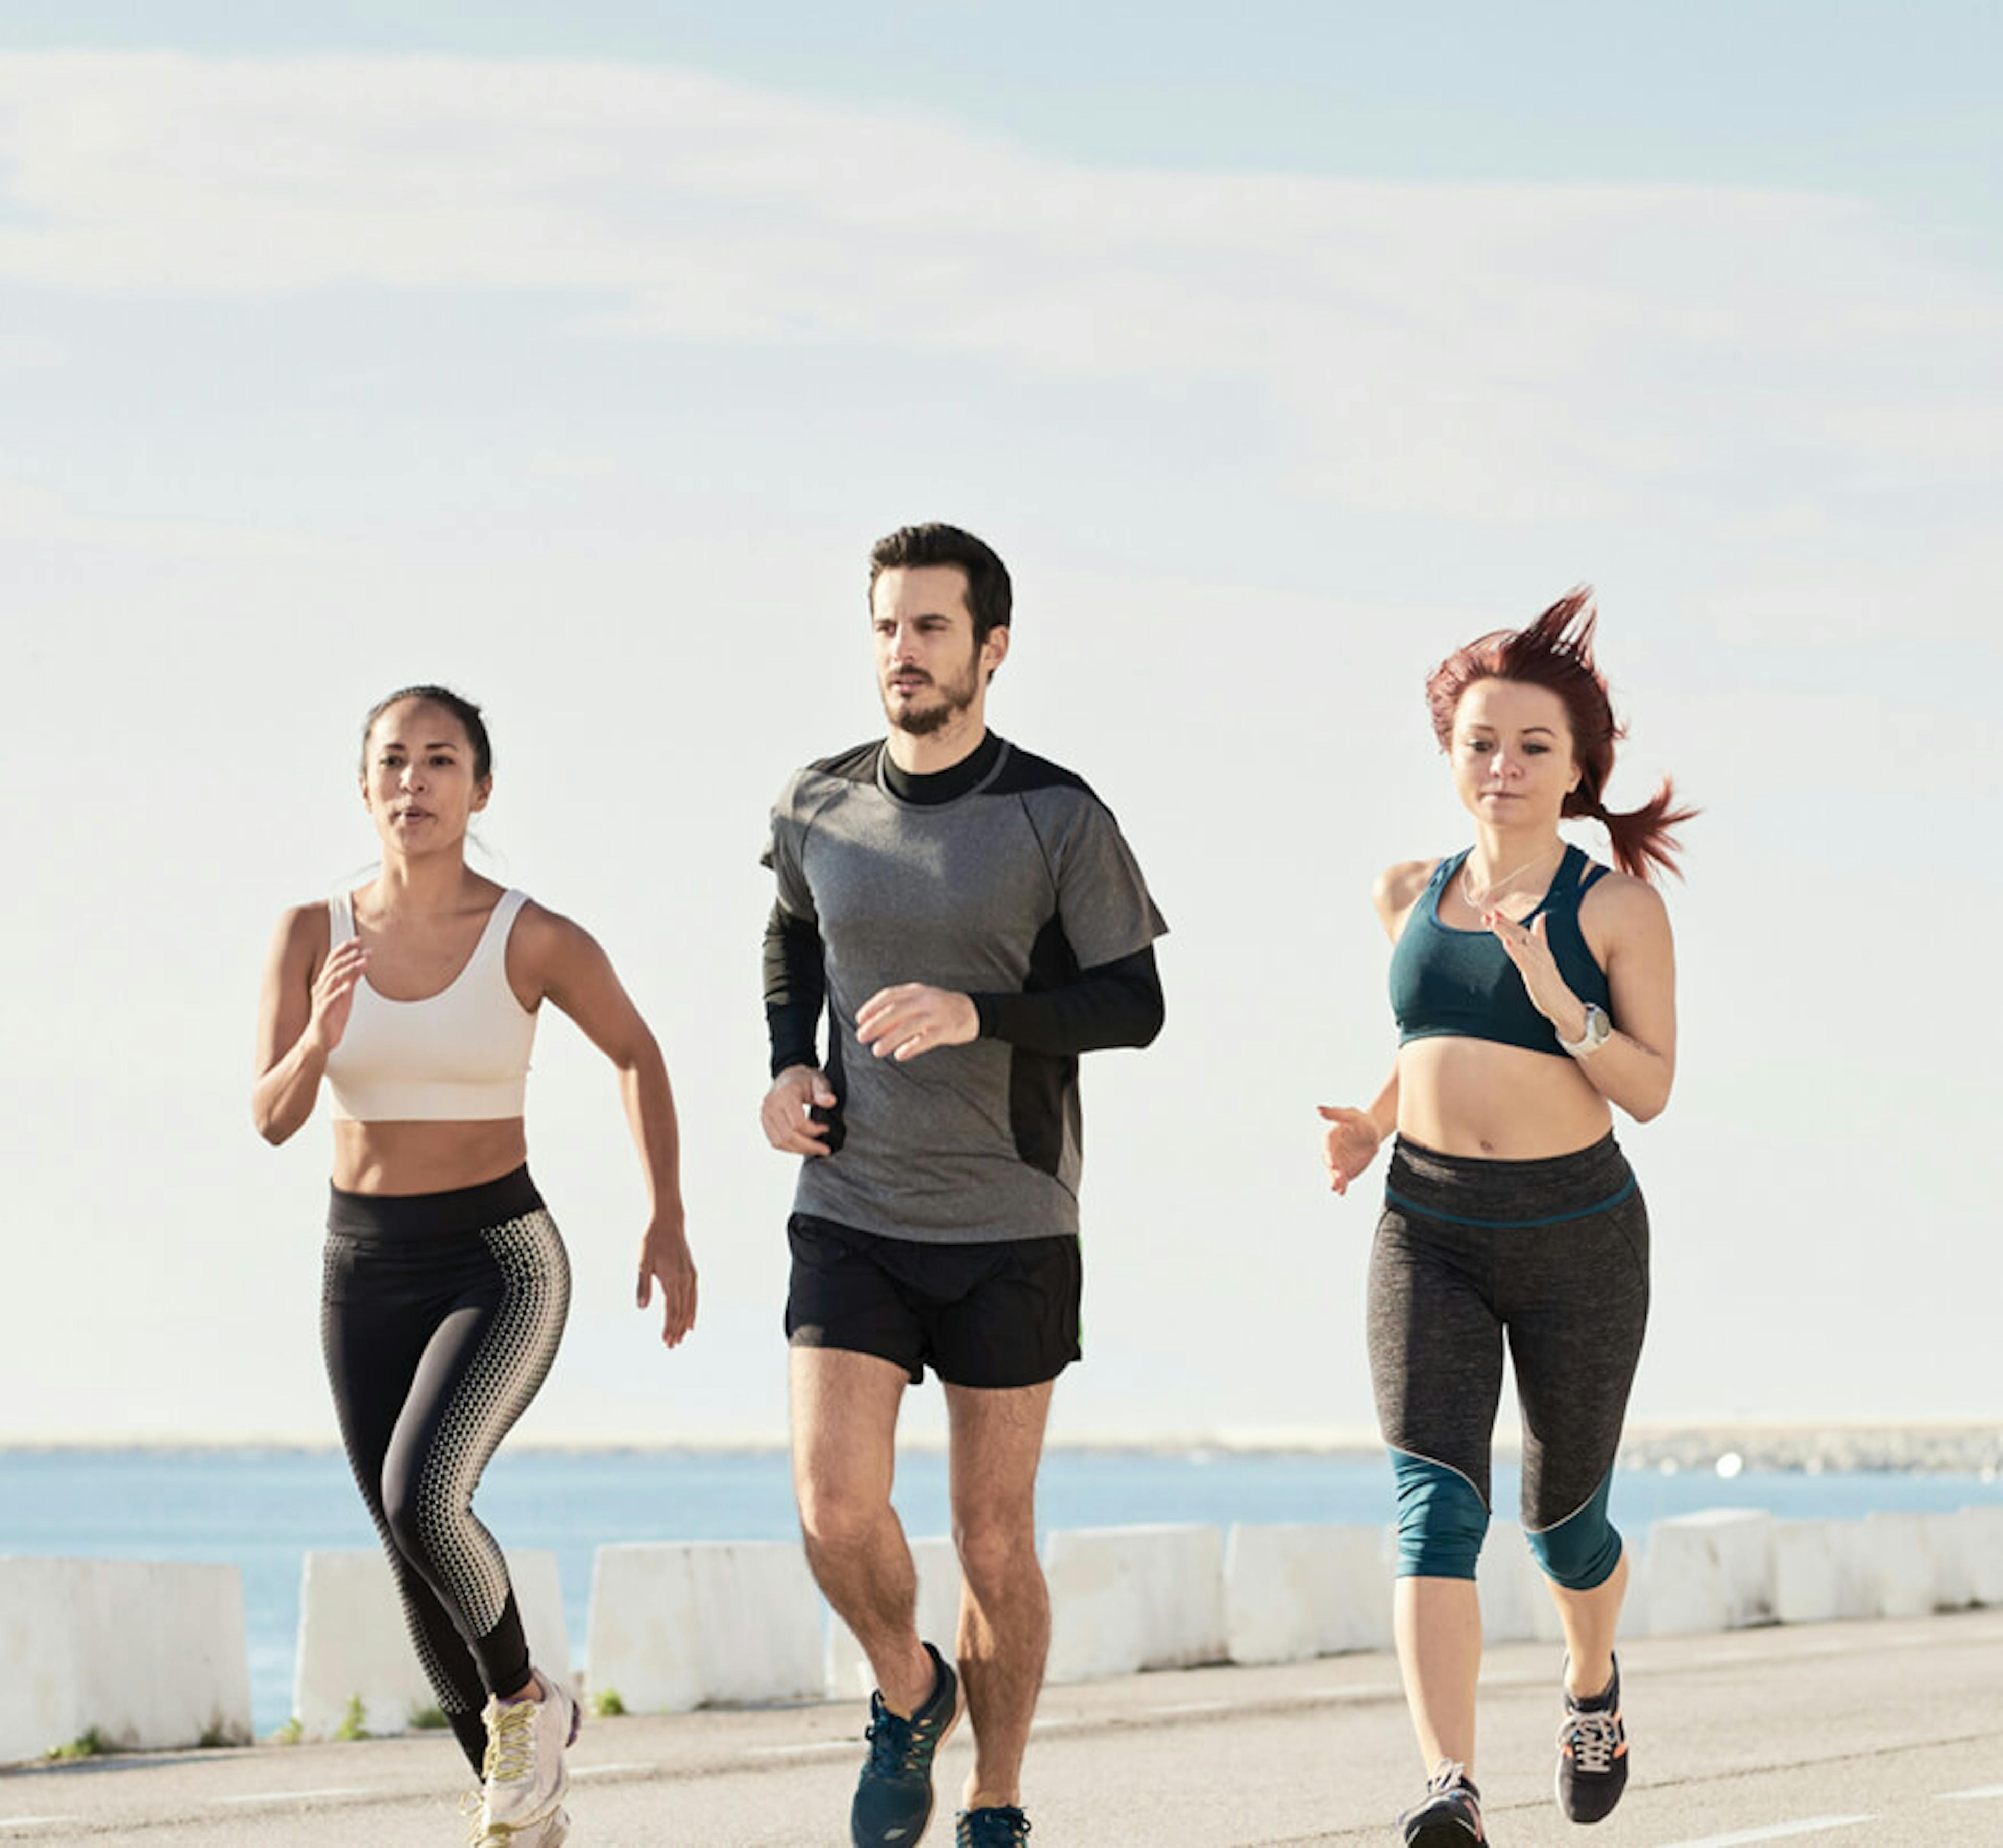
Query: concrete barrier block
<point x="151" y="1656"/>
<point x="1899" y="1565"/>
<point x="1293" y="1592"/>
<point x="1917" y="1563"/>
<point x="848" y="1670"/>
<point x="1125" y="1598"/>
<point x="1638" y="1608"/>
<point x="355" y="1645"/>
<point x="1947" y="1549"/>
<point x="679" y="1627"/>
<point x="1515" y="1607"/>
<point x="1711" y="1571"/>
<point x="1818" y="1572"/>
<point x="1982" y="1549"/>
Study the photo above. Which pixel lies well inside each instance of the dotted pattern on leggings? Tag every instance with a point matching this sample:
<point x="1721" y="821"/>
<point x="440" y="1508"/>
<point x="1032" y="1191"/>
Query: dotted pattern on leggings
<point x="513" y="1359"/>
<point x="446" y="1680"/>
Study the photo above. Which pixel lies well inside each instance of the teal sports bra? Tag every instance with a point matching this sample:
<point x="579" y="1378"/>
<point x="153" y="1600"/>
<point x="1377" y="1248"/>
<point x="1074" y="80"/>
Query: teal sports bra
<point x="1446" y="983"/>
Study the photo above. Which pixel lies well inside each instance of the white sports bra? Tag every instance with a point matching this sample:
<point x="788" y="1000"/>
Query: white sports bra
<point x="460" y="1056"/>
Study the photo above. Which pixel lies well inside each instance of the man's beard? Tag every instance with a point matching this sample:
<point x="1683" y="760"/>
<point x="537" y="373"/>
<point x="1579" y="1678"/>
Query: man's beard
<point x="956" y="698"/>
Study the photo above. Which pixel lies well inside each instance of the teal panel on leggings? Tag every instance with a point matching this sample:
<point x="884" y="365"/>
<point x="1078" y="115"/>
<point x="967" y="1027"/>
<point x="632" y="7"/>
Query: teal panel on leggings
<point x="1442" y="1520"/>
<point x="1581" y="1551"/>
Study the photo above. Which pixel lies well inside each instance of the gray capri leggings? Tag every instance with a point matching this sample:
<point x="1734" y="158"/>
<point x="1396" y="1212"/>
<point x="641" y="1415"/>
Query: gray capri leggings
<point x="1555" y="1254"/>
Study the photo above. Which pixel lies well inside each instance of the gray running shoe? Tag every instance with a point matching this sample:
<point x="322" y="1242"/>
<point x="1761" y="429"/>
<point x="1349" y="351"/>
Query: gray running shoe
<point x="1451" y="1815"/>
<point x="893" y="1796"/>
<point x="1593" y="1755"/>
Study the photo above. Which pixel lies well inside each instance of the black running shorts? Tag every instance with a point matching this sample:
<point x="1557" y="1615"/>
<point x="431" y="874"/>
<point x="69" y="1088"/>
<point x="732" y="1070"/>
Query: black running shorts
<point x="1003" y="1314"/>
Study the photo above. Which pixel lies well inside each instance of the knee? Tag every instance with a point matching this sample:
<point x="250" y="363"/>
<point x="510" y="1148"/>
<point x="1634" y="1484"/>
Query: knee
<point x="1580" y="1552"/>
<point x="401" y="1504"/>
<point x="1441" y="1519"/>
<point x="994" y="1548"/>
<point x="412" y="1515"/>
<point x="834" y="1518"/>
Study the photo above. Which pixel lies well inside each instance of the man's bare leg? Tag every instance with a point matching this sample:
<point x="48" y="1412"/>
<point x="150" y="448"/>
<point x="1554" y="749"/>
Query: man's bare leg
<point x="845" y="1409"/>
<point x="1004" y="1608"/>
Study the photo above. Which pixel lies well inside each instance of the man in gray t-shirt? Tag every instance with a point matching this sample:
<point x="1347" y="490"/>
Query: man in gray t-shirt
<point x="970" y="920"/>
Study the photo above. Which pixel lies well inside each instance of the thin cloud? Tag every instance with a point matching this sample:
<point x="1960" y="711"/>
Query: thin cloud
<point x="1463" y="350"/>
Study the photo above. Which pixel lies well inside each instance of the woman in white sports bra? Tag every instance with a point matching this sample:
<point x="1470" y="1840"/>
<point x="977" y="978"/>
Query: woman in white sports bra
<point x="415" y="997"/>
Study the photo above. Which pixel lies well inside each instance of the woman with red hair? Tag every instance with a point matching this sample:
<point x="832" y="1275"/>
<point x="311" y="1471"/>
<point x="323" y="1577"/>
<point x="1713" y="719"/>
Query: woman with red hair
<point x="1535" y="990"/>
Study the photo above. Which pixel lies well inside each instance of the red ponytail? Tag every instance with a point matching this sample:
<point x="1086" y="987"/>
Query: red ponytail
<point x="1555" y="652"/>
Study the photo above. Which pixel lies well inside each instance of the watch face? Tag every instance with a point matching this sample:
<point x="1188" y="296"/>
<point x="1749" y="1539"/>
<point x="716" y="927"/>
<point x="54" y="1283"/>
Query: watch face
<point x="1598" y="1028"/>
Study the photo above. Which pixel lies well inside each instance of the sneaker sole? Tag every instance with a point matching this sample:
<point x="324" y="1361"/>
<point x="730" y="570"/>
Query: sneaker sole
<point x="1443" y="1835"/>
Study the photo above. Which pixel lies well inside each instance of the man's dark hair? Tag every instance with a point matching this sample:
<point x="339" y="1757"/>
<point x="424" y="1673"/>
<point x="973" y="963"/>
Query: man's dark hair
<point x="988" y="594"/>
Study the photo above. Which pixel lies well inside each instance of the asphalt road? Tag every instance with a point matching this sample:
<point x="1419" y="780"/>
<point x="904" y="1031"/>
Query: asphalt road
<point x="1870" y="1735"/>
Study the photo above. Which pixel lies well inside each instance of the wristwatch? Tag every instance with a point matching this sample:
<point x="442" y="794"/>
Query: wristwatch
<point x="1599" y="1030"/>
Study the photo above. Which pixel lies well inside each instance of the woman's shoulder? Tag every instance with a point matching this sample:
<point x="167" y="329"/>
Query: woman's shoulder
<point x="540" y="929"/>
<point x="302" y="938"/>
<point x="1619" y="903"/>
<point x="1400" y="887"/>
<point x="310" y="923"/>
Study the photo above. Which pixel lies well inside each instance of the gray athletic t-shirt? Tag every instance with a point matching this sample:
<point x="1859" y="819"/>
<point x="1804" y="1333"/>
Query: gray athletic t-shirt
<point x="1019" y="884"/>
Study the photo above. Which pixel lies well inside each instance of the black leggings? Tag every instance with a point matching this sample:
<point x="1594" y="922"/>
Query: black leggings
<point x="1555" y="1252"/>
<point x="440" y="1317"/>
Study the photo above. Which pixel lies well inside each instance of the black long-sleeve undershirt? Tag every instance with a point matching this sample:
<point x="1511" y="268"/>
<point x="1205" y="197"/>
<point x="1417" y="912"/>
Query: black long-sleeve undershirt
<point x="1117" y="1003"/>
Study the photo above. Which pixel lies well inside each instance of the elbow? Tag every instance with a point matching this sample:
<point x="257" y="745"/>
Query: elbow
<point x="1646" y="1109"/>
<point x="1149" y="1024"/>
<point x="270" y="1127"/>
<point x="642" y="1060"/>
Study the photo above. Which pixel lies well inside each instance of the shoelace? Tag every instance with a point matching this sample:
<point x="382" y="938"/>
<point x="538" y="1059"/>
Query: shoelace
<point x="1446" y="1777"/>
<point x="511" y="1743"/>
<point x="1591" y="1738"/>
<point x="889" y="1738"/>
<point x="1003" y="1828"/>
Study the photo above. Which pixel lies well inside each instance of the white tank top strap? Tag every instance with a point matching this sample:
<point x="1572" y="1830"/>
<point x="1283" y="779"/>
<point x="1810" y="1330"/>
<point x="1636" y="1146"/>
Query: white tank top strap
<point x="341" y="917"/>
<point x="492" y="947"/>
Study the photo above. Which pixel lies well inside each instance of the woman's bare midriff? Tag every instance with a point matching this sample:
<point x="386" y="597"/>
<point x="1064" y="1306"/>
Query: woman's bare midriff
<point x="1495" y="1102"/>
<point x="425" y="1158"/>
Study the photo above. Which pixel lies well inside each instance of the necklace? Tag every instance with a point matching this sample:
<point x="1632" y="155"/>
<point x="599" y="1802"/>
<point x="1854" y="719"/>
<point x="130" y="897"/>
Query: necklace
<point x="1495" y="885"/>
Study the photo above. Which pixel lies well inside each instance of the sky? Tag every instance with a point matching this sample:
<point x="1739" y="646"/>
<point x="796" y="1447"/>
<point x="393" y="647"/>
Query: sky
<point x="576" y="361"/>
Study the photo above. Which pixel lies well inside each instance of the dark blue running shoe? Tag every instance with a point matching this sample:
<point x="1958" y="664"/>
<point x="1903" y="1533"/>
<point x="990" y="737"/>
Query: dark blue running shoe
<point x="1593" y="1755"/>
<point x="1451" y="1815"/>
<point x="893" y="1796"/>
<point x="1004" y="1827"/>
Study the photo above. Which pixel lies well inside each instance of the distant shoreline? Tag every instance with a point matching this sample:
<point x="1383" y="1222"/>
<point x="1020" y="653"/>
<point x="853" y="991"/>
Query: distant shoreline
<point x="1970" y="1447"/>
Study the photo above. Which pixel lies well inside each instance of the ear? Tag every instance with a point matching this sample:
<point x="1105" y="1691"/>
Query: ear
<point x="995" y="650"/>
<point x="481" y="791"/>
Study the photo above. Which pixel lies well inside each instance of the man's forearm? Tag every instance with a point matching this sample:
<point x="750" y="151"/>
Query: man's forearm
<point x="1117" y="1003"/>
<point x="796" y="989"/>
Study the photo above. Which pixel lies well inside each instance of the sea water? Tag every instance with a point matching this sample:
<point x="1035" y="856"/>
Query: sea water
<point x="262" y="1511"/>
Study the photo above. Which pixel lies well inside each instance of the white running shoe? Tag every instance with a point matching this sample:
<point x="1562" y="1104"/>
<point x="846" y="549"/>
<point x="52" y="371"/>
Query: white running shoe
<point x="526" y="1777"/>
<point x="552" y="1831"/>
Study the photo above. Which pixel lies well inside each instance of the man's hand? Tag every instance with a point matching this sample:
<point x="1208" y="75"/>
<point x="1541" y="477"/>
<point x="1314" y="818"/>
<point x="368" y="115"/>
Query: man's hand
<point x="901" y="1022"/>
<point x="783" y="1115"/>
